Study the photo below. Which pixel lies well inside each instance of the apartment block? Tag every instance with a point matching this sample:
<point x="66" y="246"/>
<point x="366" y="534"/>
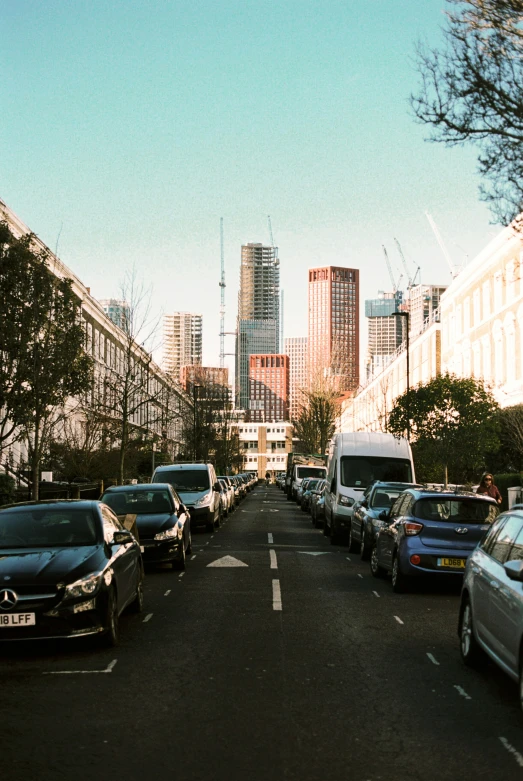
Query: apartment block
<point x="117" y="310"/>
<point x="268" y="388"/>
<point x="265" y="446"/>
<point x="182" y="342"/>
<point x="296" y="348"/>
<point x="385" y="331"/>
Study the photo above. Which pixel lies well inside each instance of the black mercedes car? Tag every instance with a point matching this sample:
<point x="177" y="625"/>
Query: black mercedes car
<point x="67" y="569"/>
<point x="162" y="520"/>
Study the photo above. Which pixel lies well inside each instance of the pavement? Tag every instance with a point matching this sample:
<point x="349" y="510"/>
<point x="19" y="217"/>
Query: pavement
<point x="276" y="656"/>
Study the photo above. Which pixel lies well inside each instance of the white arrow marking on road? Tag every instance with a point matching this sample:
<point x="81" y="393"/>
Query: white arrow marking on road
<point x="108" y="669"/>
<point x="227" y="561"/>
<point x="314" y="553"/>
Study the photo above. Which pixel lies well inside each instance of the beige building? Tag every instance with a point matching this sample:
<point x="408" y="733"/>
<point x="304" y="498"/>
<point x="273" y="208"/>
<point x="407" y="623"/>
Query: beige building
<point x="265" y="446"/>
<point x="477" y="331"/>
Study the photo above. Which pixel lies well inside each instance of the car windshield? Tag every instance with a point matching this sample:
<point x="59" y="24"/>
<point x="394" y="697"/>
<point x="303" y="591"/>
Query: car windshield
<point x="185" y="479"/>
<point x="47" y="527"/>
<point x="140" y="502"/>
<point x="455" y="510"/>
<point x="384" y="497"/>
<point x="361" y="471"/>
<point x="310" y="471"/>
<point x="312" y="485"/>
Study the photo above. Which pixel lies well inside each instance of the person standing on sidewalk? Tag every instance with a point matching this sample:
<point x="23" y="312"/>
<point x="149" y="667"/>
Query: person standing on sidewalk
<point x="487" y="488"/>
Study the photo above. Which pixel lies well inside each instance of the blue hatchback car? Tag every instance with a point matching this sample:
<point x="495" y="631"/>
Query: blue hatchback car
<point x="430" y="533"/>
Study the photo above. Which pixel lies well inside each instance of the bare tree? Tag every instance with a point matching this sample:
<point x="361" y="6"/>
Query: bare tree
<point x="472" y="91"/>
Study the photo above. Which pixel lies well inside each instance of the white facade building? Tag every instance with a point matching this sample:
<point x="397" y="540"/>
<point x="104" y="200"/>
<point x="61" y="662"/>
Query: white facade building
<point x="265" y="446"/>
<point x="296" y="349"/>
<point x="182" y="342"/>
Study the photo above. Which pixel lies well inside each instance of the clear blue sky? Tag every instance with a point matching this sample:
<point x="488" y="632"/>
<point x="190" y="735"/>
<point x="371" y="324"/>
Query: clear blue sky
<point x="129" y="127"/>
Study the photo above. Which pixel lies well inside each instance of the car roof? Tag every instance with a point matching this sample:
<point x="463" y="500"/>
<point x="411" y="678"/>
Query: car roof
<point x="425" y="493"/>
<point x="166" y="467"/>
<point x="114" y="489"/>
<point x="85" y="503"/>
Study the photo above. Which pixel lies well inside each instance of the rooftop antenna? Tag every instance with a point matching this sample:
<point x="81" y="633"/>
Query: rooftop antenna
<point x="222" y="299"/>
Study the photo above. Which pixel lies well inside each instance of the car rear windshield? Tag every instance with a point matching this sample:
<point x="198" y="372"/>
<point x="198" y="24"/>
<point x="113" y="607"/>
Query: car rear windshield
<point x="47" y="527"/>
<point x="385" y="497"/>
<point x="312" y="485"/>
<point x="361" y="471"/>
<point x="140" y="502"/>
<point x="455" y="510"/>
<point x="310" y="471"/>
<point x="185" y="479"/>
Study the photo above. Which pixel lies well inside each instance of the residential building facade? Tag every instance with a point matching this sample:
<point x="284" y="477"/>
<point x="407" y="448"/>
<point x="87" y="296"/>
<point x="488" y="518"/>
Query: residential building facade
<point x="333" y="326"/>
<point x="265" y="446"/>
<point x="182" y="342"/>
<point x="296" y="348"/>
<point x="117" y="310"/>
<point x="268" y="388"/>
<point x="385" y="331"/>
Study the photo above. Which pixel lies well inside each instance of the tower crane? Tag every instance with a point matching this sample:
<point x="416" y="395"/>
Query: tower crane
<point x="222" y="299"/>
<point x="411" y="280"/>
<point x="395" y="285"/>
<point x="452" y="267"/>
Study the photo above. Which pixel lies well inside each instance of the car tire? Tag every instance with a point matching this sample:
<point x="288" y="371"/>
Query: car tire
<point x="136" y="605"/>
<point x="469" y="648"/>
<point x="400" y="581"/>
<point x="352" y="541"/>
<point x="326" y="527"/>
<point x="364" y="548"/>
<point x="335" y="535"/>
<point x="376" y="570"/>
<point x="189" y="544"/>
<point x="111" y="634"/>
<point x="179" y="563"/>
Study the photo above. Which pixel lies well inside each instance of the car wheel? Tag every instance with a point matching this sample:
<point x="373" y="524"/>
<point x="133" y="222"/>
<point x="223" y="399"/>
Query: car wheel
<point x="179" y="563"/>
<point x="326" y="527"/>
<point x="364" y="550"/>
<point x="318" y="523"/>
<point x="136" y="605"/>
<point x="112" y="626"/>
<point x="189" y="544"/>
<point x="335" y="537"/>
<point x="400" y="582"/>
<point x="468" y="645"/>
<point x="376" y="570"/>
<point x="352" y="541"/>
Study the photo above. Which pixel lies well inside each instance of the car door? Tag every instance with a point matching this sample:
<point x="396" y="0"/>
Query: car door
<point x="181" y="513"/>
<point x="481" y="565"/>
<point x="506" y="595"/>
<point x="124" y="558"/>
<point x="388" y="534"/>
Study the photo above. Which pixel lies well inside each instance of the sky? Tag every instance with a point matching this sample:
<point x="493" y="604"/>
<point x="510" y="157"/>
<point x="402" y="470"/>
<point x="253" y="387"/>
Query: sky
<point x="130" y="127"/>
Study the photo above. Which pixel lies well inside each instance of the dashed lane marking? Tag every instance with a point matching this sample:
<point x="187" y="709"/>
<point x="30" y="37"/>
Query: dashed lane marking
<point x="517" y="756"/>
<point x="375" y="594"/>
<point x="147" y="618"/>
<point x="462" y="692"/>
<point x="181" y="574"/>
<point x="274" y="562"/>
<point x="269" y="538"/>
<point x="433" y="659"/>
<point x="276" y="595"/>
<point x="347" y="558"/>
<point x="167" y="592"/>
<point x="193" y="557"/>
<point x="398" y="619"/>
<point x="360" y="575"/>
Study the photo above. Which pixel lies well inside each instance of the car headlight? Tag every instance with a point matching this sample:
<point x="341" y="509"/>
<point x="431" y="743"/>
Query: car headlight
<point x="204" y="501"/>
<point x="87" y="585"/>
<point x="377" y="523"/>
<point x="168" y="534"/>
<point x="346" y="501"/>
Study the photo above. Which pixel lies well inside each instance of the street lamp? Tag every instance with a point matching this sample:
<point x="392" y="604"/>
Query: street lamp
<point x="195" y="388"/>
<point x="406" y="315"/>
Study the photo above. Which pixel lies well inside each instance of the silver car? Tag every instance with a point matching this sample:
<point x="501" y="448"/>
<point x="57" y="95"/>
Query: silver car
<point x="491" y="612"/>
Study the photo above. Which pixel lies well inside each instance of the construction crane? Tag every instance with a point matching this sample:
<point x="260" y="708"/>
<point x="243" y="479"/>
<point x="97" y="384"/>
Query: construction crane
<point x="453" y="270"/>
<point x="395" y="285"/>
<point x="222" y="299"/>
<point x="270" y="230"/>
<point x="411" y="280"/>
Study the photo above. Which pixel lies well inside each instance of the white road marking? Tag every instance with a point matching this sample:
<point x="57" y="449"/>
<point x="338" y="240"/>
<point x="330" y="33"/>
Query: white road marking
<point x="512" y="750"/>
<point x="276" y="595"/>
<point x="147" y="618"/>
<point x="398" y="619"/>
<point x="269" y="510"/>
<point x="375" y="593"/>
<point x="181" y="574"/>
<point x="108" y="669"/>
<point x="360" y="575"/>
<point x="193" y="557"/>
<point x="347" y="558"/>
<point x="227" y="561"/>
<point x="269" y="537"/>
<point x="167" y="592"/>
<point x="274" y="563"/>
<point x="315" y="553"/>
<point x="462" y="692"/>
<point x="433" y="660"/>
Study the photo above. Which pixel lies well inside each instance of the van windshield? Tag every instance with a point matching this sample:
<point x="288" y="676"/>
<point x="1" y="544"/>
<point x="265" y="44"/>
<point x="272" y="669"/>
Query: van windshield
<point x="310" y="471"/>
<point x="185" y="479"/>
<point x="361" y="471"/>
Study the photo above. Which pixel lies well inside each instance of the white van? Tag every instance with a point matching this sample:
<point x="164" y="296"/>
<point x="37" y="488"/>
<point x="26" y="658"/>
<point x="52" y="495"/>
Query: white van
<point x="355" y="461"/>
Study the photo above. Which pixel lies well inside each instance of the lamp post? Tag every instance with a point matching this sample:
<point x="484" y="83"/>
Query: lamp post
<point x="195" y="388"/>
<point x="406" y="315"/>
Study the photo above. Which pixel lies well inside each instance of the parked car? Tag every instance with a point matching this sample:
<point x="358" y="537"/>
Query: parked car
<point x="198" y="488"/>
<point x="491" y="612"/>
<point x="306" y="494"/>
<point x="430" y="533"/>
<point x="68" y="569"/>
<point x="365" y="519"/>
<point x="318" y="504"/>
<point x="301" y="488"/>
<point x="162" y="520"/>
<point x="230" y="492"/>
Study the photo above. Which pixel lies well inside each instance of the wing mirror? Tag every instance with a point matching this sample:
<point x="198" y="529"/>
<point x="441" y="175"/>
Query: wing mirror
<point x="122" y="537"/>
<point x="384" y="515"/>
<point x="514" y="570"/>
<point x="364" y="502"/>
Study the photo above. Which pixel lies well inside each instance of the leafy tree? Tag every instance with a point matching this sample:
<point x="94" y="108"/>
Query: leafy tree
<point x="472" y="91"/>
<point x="315" y="423"/>
<point x="453" y="424"/>
<point x="41" y="344"/>
<point x="509" y="457"/>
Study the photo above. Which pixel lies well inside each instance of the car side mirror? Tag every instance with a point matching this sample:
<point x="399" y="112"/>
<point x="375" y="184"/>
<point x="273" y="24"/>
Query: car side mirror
<point x="364" y="503"/>
<point x="384" y="515"/>
<point x="514" y="570"/>
<point x="217" y="487"/>
<point x="122" y="537"/>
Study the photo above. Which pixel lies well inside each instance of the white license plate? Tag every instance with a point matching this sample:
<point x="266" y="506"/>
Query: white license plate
<point x="142" y="548"/>
<point x="17" y="619"/>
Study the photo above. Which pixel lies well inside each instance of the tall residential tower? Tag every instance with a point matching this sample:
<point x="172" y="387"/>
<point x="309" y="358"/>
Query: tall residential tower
<point x="182" y="342"/>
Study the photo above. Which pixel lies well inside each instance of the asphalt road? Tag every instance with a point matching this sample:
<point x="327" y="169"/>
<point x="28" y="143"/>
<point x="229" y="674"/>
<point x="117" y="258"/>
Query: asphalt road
<point x="298" y="666"/>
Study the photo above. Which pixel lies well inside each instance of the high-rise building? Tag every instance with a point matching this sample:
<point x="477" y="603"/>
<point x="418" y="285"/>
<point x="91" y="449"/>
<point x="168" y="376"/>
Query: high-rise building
<point x="258" y="312"/>
<point x="385" y="331"/>
<point x="209" y="376"/>
<point x="333" y="343"/>
<point x="296" y="349"/>
<point x="268" y="388"/>
<point x="117" y="310"/>
<point x="182" y="342"/>
<point x="423" y="301"/>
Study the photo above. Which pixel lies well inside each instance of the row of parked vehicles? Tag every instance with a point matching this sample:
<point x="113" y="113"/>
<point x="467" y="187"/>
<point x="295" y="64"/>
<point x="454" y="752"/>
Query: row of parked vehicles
<point x="69" y="568"/>
<point x="411" y="533"/>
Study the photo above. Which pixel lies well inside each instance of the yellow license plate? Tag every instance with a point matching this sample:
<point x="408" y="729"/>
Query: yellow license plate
<point x="455" y="563"/>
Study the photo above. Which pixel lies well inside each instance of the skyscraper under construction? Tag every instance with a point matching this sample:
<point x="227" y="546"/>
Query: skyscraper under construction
<point x="258" y="312"/>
